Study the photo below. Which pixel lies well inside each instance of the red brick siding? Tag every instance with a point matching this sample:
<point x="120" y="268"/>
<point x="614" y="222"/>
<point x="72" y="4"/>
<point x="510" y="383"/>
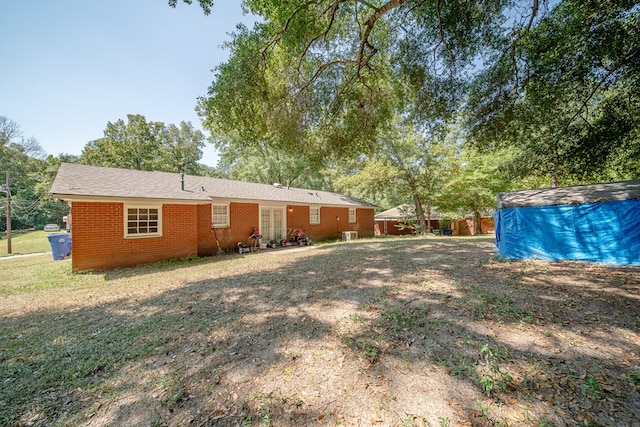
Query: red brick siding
<point x="394" y="230"/>
<point x="243" y="219"/>
<point x="465" y="227"/>
<point x="99" y="243"/>
<point x="298" y="218"/>
<point x="206" y="238"/>
<point x="330" y="227"/>
<point x="391" y="228"/>
<point x="366" y="221"/>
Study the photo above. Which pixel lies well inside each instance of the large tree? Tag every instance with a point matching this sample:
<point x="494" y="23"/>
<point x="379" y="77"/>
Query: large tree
<point x="556" y="79"/>
<point x="408" y="164"/>
<point x="322" y="77"/>
<point x="180" y="147"/>
<point x="29" y="179"/>
<point x="130" y="145"/>
<point x="472" y="186"/>
<point x="9" y="131"/>
<point x="566" y="93"/>
<point x="268" y="165"/>
<point x="142" y="145"/>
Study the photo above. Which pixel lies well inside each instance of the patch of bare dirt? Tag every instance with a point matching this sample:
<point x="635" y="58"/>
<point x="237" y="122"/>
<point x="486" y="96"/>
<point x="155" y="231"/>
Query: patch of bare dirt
<point x="398" y="332"/>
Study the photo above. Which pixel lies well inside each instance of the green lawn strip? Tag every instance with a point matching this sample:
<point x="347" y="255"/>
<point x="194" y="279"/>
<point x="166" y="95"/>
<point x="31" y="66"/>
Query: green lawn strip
<point x="37" y="273"/>
<point x="52" y="358"/>
<point x="48" y="357"/>
<point x="25" y="242"/>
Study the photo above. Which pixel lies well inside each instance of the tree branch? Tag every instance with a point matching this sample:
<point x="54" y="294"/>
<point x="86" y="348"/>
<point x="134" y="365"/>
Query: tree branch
<point x="320" y="70"/>
<point x="512" y="46"/>
<point x="362" y="59"/>
<point x="534" y="13"/>
<point x="633" y="53"/>
<point x="369" y="24"/>
<point x="332" y="13"/>
<point x="441" y="30"/>
<point x="276" y="37"/>
<point x="366" y="51"/>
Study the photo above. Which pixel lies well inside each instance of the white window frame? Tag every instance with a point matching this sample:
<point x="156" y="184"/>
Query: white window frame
<point x="314" y="215"/>
<point x="226" y="215"/>
<point x="138" y="207"/>
<point x="352" y="215"/>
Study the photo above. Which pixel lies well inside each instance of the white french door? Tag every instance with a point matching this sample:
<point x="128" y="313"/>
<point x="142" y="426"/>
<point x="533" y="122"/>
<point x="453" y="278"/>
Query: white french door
<point x="272" y="223"/>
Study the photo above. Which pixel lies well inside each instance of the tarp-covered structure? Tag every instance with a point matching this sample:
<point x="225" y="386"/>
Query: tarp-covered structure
<point x="597" y="223"/>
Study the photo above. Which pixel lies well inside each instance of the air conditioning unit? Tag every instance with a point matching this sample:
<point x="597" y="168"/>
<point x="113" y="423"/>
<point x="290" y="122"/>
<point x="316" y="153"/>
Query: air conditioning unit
<point x="349" y="235"/>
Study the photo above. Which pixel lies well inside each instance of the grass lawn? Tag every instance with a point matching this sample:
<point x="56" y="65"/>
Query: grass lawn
<point x="410" y="331"/>
<point x="25" y="242"/>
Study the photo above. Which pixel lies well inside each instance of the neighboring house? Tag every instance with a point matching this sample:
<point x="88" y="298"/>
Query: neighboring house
<point x="392" y="221"/>
<point x="596" y="223"/>
<point x="122" y="217"/>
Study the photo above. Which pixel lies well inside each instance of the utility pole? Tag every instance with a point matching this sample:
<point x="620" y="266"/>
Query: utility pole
<point x="8" y="214"/>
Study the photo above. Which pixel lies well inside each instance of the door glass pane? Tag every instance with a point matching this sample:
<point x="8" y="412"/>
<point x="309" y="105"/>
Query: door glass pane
<point x="265" y="224"/>
<point x="277" y="224"/>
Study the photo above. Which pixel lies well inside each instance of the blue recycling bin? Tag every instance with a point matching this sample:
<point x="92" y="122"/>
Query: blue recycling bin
<point x="60" y="245"/>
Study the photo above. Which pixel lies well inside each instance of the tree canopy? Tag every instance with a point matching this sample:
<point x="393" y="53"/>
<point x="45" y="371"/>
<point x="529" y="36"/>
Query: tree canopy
<point x="557" y="80"/>
<point x="566" y="93"/>
<point x="323" y="76"/>
<point x="30" y="178"/>
<point x="138" y="144"/>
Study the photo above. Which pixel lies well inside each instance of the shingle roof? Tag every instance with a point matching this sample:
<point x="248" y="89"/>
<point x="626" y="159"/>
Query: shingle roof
<point x="75" y="180"/>
<point x="402" y="211"/>
<point x="578" y="194"/>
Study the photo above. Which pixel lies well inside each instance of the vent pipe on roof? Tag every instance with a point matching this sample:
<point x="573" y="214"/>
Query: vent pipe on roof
<point x="287" y="184"/>
<point x="182" y="181"/>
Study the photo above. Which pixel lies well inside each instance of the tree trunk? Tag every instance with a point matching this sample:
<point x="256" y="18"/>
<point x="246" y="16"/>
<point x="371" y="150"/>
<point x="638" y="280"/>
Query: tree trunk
<point x="427" y="181"/>
<point x="417" y="202"/>
<point x="420" y="212"/>
<point x="477" y="226"/>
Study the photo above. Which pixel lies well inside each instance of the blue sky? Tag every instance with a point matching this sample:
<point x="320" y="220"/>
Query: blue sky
<point x="68" y="67"/>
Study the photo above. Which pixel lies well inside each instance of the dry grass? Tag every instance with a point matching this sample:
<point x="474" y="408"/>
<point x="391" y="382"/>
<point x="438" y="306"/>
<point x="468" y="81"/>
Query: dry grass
<point x="381" y="332"/>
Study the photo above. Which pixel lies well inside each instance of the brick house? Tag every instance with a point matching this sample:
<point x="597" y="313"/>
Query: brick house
<point x="122" y="217"/>
<point x="391" y="221"/>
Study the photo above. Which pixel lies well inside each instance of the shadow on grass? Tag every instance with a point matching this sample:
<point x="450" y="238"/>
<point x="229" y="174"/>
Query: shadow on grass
<point x="391" y="331"/>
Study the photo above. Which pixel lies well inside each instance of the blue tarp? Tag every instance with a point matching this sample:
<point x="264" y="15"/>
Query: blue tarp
<point x="604" y="232"/>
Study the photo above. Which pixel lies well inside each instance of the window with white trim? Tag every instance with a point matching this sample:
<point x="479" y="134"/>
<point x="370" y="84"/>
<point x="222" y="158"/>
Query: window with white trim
<point x="314" y="215"/>
<point x="352" y="215"/>
<point x="143" y="221"/>
<point x="220" y="215"/>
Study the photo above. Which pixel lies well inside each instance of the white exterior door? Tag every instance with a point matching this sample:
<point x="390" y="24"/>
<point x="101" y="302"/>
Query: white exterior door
<point x="271" y="223"/>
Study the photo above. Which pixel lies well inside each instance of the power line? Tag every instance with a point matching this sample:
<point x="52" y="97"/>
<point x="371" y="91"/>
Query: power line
<point x="33" y="206"/>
